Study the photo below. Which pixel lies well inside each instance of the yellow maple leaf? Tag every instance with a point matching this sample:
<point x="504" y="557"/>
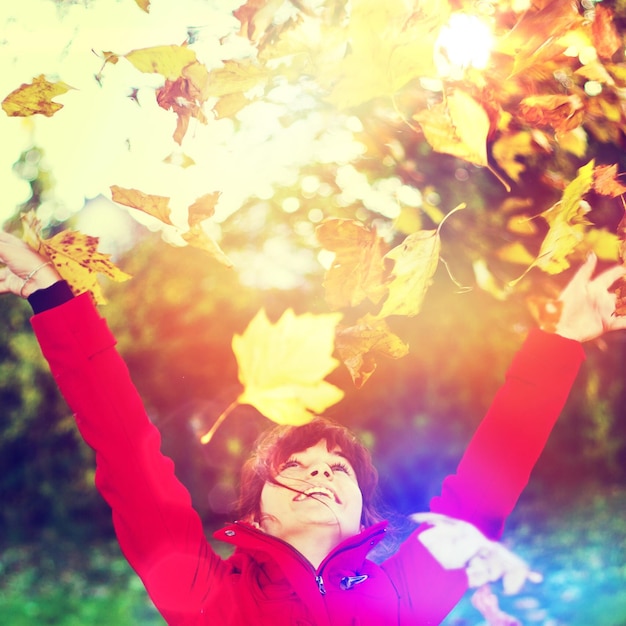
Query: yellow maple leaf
<point x="75" y="256"/>
<point x="458" y="127"/>
<point x="169" y="61"/>
<point x="392" y="42"/>
<point x="156" y="206"/>
<point x="282" y="366"/>
<point x="36" y="97"/>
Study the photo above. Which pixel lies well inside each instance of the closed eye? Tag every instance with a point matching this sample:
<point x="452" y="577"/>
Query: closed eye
<point x="341" y="467"/>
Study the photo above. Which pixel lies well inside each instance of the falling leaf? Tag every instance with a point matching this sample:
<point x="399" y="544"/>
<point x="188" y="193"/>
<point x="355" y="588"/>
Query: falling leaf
<point x="509" y="151"/>
<point x="182" y="160"/>
<point x="563" y="113"/>
<point x="395" y="44"/>
<point x="604" y="243"/>
<point x="516" y="253"/>
<point x="459" y="126"/>
<point x="360" y="345"/>
<point x="203" y="208"/>
<point x="228" y="106"/>
<point x="606" y="183"/>
<point x="282" y="366"/>
<point x="185" y="96"/>
<point x="169" y="61"/>
<point x="198" y="238"/>
<point x="144" y="5"/>
<point x="536" y="37"/>
<point x="357" y="271"/>
<point x="415" y="262"/>
<point x="75" y="256"/>
<point x="606" y="37"/>
<point x="236" y="77"/>
<point x="33" y="98"/>
<point x="256" y="15"/>
<point x="567" y="224"/>
<point x="156" y="206"/>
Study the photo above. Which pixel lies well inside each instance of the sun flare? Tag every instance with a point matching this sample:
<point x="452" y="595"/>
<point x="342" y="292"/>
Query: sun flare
<point x="465" y="41"/>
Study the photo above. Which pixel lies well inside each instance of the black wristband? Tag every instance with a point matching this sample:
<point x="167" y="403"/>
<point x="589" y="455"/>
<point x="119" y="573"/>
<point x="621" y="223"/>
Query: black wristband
<point x="55" y="295"/>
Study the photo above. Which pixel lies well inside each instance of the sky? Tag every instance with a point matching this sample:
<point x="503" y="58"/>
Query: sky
<point x="102" y="137"/>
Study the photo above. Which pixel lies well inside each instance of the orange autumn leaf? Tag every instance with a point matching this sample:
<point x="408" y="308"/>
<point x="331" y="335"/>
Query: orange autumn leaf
<point x="561" y="112"/>
<point x="360" y="345"/>
<point x="144" y="5"/>
<point x="459" y="127"/>
<point x="197" y="237"/>
<point x="606" y="38"/>
<point x="606" y="183"/>
<point x="33" y="98"/>
<point x="203" y="208"/>
<point x="75" y="256"/>
<point x="156" y="206"/>
<point x="357" y="271"/>
<point x="255" y="16"/>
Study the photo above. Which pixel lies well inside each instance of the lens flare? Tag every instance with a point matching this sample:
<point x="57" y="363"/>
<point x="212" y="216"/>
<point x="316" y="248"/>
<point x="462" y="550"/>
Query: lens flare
<point x="465" y="41"/>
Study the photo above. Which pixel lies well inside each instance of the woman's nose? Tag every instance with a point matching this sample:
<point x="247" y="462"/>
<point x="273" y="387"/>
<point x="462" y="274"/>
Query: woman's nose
<point x="322" y="469"/>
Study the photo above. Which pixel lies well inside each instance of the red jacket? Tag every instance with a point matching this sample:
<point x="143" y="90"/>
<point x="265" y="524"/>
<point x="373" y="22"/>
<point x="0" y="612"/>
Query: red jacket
<point x="266" y="582"/>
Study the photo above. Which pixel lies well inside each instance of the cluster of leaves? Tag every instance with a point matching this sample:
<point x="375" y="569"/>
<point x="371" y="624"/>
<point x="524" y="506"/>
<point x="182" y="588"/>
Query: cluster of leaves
<point x="553" y="88"/>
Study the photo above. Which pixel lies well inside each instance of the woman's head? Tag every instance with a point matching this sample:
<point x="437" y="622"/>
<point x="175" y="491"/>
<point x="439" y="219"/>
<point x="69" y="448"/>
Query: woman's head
<point x="277" y="446"/>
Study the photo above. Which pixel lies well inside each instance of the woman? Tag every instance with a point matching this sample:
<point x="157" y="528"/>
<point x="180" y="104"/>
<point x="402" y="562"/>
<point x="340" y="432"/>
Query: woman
<point x="307" y="520"/>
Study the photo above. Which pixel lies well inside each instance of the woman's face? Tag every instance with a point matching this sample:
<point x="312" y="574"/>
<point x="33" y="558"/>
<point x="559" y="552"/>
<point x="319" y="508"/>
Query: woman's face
<point x="320" y="489"/>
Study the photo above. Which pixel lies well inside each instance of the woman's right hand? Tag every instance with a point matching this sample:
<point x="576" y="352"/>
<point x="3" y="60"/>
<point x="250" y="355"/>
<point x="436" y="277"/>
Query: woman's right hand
<point x="25" y="271"/>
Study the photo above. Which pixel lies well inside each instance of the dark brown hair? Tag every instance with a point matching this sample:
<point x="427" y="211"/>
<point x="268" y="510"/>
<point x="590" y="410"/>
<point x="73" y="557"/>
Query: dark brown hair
<point x="275" y="446"/>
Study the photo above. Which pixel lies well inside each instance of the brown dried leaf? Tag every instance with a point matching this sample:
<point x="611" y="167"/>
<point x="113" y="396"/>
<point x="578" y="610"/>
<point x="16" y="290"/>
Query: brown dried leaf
<point x="203" y="208"/>
<point x="144" y="5"/>
<point x="360" y="345"/>
<point x="156" y="206"/>
<point x="357" y="272"/>
<point x="197" y="237"/>
<point x="563" y="113"/>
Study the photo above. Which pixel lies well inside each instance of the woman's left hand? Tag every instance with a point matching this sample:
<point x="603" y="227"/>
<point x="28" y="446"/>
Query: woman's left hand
<point x="587" y="305"/>
<point x="25" y="270"/>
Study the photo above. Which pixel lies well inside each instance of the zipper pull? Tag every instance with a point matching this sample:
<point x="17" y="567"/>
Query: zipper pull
<point x="320" y="585"/>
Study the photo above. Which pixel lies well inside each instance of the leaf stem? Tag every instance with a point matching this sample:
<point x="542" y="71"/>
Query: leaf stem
<point x="218" y="422"/>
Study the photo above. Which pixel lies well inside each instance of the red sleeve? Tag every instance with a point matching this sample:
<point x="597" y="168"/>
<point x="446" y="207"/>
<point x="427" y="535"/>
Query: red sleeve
<point x="159" y="532"/>
<point x="502" y="453"/>
<point x="493" y="471"/>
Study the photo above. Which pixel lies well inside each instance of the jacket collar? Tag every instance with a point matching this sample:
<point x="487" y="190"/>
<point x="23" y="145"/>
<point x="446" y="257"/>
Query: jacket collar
<point x="348" y="556"/>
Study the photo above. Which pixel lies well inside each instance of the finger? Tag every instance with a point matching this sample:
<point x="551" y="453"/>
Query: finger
<point x="617" y="322"/>
<point x="609" y="276"/>
<point x="586" y="270"/>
